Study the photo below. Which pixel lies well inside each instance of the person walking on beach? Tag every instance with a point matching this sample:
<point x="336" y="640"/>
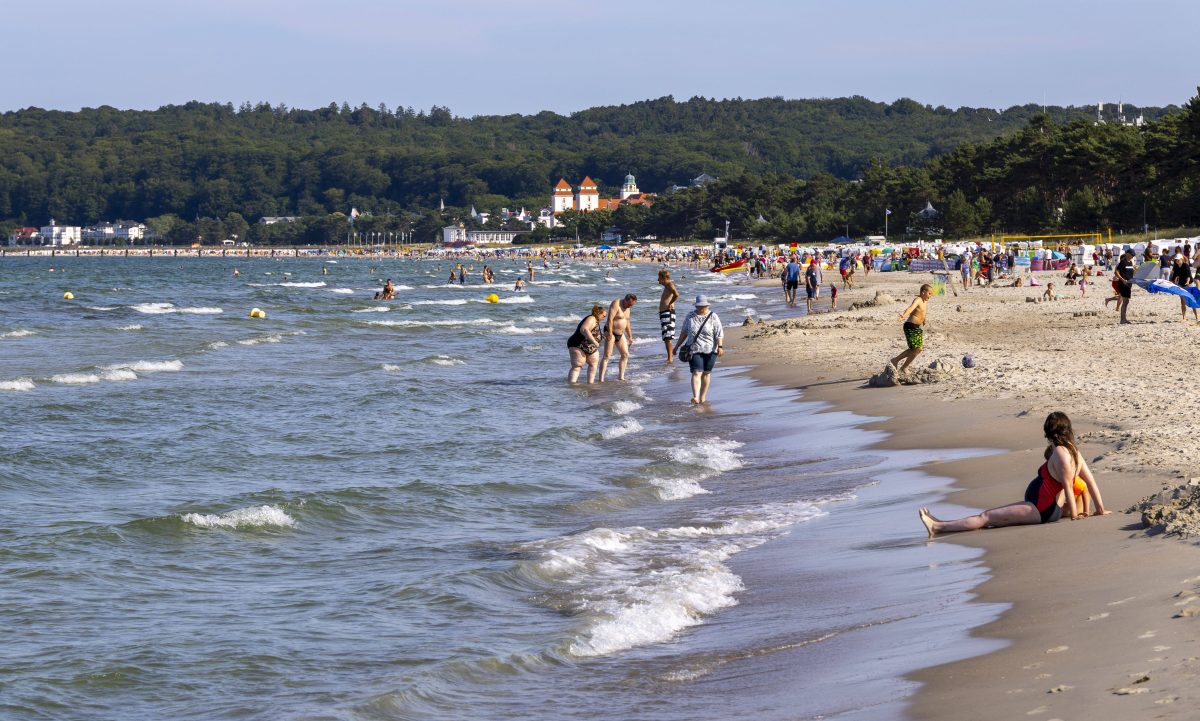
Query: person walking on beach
<point x="791" y="281"/>
<point x="964" y="267"/>
<point x="914" y="328"/>
<point x="703" y="334"/>
<point x="584" y="345"/>
<point x="1181" y="275"/>
<point x="1124" y="284"/>
<point x="1045" y="497"/>
<point x="812" y="282"/>
<point x="620" y="334"/>
<point x="666" y="310"/>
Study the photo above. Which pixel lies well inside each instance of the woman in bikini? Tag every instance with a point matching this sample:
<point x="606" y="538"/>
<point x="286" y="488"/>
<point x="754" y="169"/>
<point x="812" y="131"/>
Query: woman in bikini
<point x="1044" y="497"/>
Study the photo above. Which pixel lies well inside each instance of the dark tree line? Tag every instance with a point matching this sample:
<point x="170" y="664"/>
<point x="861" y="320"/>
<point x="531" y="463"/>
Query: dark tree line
<point x="809" y="168"/>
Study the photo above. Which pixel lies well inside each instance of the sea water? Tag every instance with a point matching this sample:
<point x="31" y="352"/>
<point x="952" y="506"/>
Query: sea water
<point x="360" y="509"/>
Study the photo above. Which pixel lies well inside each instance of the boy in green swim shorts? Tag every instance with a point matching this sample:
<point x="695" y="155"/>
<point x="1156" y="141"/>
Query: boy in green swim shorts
<point x="914" y="328"/>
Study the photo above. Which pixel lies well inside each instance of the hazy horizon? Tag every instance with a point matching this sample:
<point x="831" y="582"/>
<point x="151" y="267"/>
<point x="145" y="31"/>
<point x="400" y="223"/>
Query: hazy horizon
<point x="527" y="56"/>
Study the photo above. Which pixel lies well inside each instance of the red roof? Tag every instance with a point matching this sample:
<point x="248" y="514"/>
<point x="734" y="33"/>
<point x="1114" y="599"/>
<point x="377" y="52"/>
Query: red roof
<point x="563" y="185"/>
<point x="589" y="185"/>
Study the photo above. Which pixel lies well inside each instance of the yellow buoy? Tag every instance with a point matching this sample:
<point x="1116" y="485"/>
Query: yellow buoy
<point x="68" y="295"/>
<point x="493" y="298"/>
<point x="258" y="313"/>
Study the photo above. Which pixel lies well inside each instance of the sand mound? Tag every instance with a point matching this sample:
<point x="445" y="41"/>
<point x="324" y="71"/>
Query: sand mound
<point x="880" y="298"/>
<point x="937" y="371"/>
<point x="1173" y="511"/>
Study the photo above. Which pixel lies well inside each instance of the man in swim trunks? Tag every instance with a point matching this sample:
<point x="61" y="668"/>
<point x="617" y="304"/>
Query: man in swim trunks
<point x="791" y="281"/>
<point x="666" y="310"/>
<point x="914" y="328"/>
<point x="620" y="335"/>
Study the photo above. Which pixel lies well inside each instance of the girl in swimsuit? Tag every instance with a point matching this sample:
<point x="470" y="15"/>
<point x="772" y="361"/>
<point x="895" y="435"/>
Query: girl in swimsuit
<point x="1044" y="496"/>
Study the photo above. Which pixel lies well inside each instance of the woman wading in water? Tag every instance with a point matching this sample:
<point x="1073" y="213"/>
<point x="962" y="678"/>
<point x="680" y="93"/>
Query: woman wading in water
<point x="1044" y="496"/>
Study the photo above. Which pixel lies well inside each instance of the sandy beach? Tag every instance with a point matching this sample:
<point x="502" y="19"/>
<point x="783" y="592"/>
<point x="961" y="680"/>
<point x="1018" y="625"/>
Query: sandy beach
<point x="1099" y="625"/>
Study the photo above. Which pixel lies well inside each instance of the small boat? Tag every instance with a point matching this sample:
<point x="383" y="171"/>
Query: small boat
<point x="730" y="267"/>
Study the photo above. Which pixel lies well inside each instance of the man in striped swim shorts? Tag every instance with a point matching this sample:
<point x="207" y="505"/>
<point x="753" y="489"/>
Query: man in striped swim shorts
<point x="666" y="309"/>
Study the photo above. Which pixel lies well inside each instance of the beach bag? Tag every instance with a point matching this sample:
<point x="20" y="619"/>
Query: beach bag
<point x="589" y="347"/>
<point x="685" y="349"/>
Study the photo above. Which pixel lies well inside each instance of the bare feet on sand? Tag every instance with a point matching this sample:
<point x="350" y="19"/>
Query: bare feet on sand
<point x="928" y="520"/>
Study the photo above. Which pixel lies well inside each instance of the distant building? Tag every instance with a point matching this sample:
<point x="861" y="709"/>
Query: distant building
<point x="702" y="179"/>
<point x="459" y="235"/>
<point x="24" y="236"/>
<point x="55" y="234"/>
<point x="273" y="219"/>
<point x="587" y="198"/>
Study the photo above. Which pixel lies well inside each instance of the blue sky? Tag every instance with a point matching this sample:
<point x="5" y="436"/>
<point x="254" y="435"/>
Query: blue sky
<point x="523" y="56"/>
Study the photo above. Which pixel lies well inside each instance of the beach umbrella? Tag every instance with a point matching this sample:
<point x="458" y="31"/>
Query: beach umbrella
<point x="606" y="246"/>
<point x="1057" y="255"/>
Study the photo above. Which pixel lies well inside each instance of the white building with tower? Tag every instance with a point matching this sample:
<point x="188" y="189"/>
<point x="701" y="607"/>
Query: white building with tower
<point x="586" y="198"/>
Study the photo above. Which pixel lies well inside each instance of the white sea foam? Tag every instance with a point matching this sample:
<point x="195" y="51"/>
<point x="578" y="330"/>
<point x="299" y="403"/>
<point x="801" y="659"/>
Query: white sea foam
<point x="154" y="308"/>
<point x="20" y="384"/>
<point x="100" y="307"/>
<point x="710" y="453"/>
<point x="676" y="489"/>
<point x="135" y="326"/>
<point x="255" y="517"/>
<point x="168" y="366"/>
<point x="290" y="284"/>
<point x="342" y="291"/>
<point x="217" y="344"/>
<point x="445" y="360"/>
<point x="409" y="323"/>
<point x="516" y="299"/>
<point x="454" y="301"/>
<point x="202" y="310"/>
<point x="275" y="338"/>
<point x="736" y="296"/>
<point x="391" y="368"/>
<point x="517" y="330"/>
<point x="109" y="374"/>
<point x="636" y="586"/>
<point x="18" y="333"/>
<point x="553" y="319"/>
<point x="373" y="309"/>
<point x="621" y="408"/>
<point x="624" y="428"/>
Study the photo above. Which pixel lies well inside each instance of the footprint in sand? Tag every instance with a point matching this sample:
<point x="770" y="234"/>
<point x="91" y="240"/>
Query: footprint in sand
<point x="1038" y="710"/>
<point x="1043" y="675"/>
<point x="1123" y="600"/>
<point x="1060" y="688"/>
<point x="1097" y="616"/>
<point x="1032" y="666"/>
<point x="1160" y="649"/>
<point x="1149" y="634"/>
<point x="1057" y="649"/>
<point x="1167" y="700"/>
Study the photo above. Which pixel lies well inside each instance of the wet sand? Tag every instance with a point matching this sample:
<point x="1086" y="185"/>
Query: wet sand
<point x="1091" y="631"/>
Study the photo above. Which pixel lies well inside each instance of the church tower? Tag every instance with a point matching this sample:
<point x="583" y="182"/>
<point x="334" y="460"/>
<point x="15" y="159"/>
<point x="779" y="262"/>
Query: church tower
<point x="630" y="187"/>
<point x="589" y="196"/>
<point x="563" y="198"/>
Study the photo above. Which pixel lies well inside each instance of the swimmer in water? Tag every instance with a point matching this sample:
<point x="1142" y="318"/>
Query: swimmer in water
<point x="236" y="273"/>
<point x="520" y="286"/>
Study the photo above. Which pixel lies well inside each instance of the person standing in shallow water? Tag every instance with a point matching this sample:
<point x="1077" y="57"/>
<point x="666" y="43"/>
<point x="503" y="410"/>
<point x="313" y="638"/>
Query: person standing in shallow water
<point x="1045" y="496"/>
<point x="666" y="309"/>
<point x="914" y="328"/>
<point x="702" y="329"/>
<point x="620" y="335"/>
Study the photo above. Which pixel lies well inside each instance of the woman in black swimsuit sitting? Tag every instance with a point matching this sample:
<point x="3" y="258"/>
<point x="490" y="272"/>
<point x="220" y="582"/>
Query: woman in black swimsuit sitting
<point x="1044" y="496"/>
<point x="584" y="345"/>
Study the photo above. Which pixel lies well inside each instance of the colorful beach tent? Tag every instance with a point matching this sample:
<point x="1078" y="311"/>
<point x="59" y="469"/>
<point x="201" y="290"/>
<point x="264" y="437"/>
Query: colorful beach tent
<point x="605" y="247"/>
<point x="1057" y="255"/>
<point x="840" y="240"/>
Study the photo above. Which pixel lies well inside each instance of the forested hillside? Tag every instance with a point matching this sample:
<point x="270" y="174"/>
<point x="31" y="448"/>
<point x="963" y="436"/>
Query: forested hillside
<point x="808" y="167"/>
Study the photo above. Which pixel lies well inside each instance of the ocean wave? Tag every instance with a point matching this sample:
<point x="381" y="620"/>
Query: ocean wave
<point x="516" y="299"/>
<point x="255" y="517"/>
<point x="162" y="308"/>
<point x="20" y="384"/>
<point x="715" y="454"/>
<point x="517" y="330"/>
<point x="135" y="326"/>
<point x="372" y="309"/>
<point x="18" y="333"/>
<point x="624" y="428"/>
<point x="291" y="284"/>
<point x="636" y="586"/>
<point x="391" y="368"/>
<point x="621" y="408"/>
<point x="216" y="344"/>
<point x="111" y="374"/>
<point x="445" y="360"/>
<point x="453" y="301"/>
<point x="100" y="307"/>
<point x="168" y="366"/>
<point x="410" y="323"/>
<point x="275" y="338"/>
<point x="677" y="489"/>
<point x="341" y="291"/>
<point x="554" y="319"/>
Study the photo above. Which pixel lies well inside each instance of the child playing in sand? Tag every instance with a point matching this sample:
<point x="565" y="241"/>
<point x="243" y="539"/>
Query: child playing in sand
<point x="1083" y="280"/>
<point x="833" y="296"/>
<point x="1048" y="294"/>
